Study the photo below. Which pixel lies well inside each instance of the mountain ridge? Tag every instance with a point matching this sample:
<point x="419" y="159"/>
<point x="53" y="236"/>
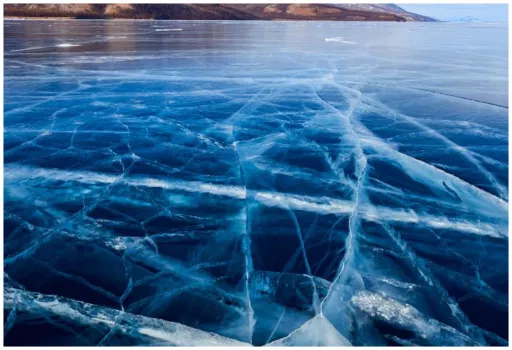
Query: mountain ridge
<point x="308" y="12"/>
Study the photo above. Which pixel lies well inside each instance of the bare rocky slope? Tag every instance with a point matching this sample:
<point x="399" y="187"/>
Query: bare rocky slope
<point x="332" y="12"/>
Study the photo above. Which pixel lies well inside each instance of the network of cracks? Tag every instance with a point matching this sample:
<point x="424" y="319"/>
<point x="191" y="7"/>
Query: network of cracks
<point x="290" y="210"/>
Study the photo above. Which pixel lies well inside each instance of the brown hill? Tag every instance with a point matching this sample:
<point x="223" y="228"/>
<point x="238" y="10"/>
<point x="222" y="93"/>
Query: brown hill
<point x="338" y="12"/>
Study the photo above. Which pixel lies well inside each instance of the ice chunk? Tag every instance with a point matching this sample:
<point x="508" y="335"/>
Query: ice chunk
<point x="113" y="324"/>
<point x="406" y="317"/>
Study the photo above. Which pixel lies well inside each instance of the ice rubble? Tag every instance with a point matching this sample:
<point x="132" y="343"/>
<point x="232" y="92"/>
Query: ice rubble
<point x="112" y="327"/>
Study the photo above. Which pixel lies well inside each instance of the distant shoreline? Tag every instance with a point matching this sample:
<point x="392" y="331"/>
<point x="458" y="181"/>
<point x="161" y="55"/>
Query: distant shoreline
<point x="21" y="18"/>
<point x="214" y="12"/>
<point x="37" y="18"/>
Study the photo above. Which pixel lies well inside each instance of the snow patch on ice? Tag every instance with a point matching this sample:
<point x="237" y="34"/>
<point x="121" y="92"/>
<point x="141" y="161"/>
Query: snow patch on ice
<point x="339" y="39"/>
<point x="169" y="30"/>
<point x="67" y="45"/>
<point x="316" y="332"/>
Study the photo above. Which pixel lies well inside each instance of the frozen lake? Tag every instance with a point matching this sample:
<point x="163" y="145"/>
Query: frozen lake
<point x="294" y="183"/>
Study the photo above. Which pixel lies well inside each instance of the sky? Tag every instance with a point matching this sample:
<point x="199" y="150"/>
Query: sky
<point x="452" y="12"/>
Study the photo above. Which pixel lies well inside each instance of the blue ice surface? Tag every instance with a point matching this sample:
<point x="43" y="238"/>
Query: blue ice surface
<point x="284" y="183"/>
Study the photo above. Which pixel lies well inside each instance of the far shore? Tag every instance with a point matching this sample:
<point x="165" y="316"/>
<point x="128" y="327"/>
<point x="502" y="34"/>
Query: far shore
<point x="20" y="18"/>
